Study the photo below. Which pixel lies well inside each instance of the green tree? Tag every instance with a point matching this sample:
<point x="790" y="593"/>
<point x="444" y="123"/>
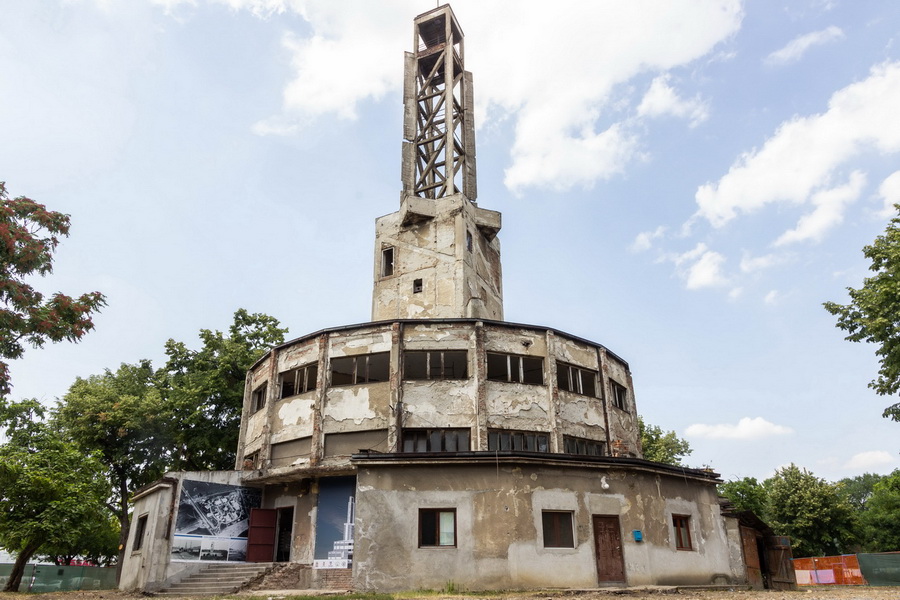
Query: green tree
<point x="121" y="417"/>
<point x="881" y="519"/>
<point x="811" y="511"/>
<point x="662" y="446"/>
<point x="97" y="542"/>
<point x="29" y="234"/>
<point x="873" y="314"/>
<point x="857" y="490"/>
<point x="746" y="494"/>
<point x="204" y="389"/>
<point x="50" y="491"/>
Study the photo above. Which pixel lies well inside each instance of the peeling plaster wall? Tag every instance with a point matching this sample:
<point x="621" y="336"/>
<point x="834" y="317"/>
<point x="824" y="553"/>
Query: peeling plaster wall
<point x="357" y="407"/>
<point x="499" y="533"/>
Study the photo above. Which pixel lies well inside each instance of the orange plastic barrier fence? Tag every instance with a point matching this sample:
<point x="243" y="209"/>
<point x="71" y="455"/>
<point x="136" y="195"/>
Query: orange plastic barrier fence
<point x="829" y="570"/>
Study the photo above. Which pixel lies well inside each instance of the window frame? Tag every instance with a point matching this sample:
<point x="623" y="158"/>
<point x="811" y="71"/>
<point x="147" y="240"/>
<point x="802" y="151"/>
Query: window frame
<point x="517" y="436"/>
<point x="579" y="443"/>
<point x="557" y="539"/>
<point x="429" y="358"/>
<point x="388" y="261"/>
<point x="575" y="378"/>
<point x="437" y="512"/>
<point x="517" y="374"/>
<point x="258" y="397"/>
<point x="301" y="376"/>
<point x="681" y="529"/>
<point x="618" y="394"/>
<point x="355" y="376"/>
<point x="416" y="436"/>
<point x="140" y="529"/>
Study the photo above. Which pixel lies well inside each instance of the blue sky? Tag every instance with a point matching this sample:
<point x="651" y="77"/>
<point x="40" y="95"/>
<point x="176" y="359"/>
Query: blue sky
<point x="684" y="182"/>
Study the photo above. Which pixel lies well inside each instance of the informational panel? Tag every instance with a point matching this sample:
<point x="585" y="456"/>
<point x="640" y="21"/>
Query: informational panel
<point x="213" y="520"/>
<point x="334" y="523"/>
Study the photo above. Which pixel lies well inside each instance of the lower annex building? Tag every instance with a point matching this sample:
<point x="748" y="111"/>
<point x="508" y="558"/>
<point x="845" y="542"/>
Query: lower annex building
<point x="439" y="443"/>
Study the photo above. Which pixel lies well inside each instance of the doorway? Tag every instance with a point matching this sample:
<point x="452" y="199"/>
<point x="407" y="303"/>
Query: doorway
<point x="284" y="534"/>
<point x="608" y="549"/>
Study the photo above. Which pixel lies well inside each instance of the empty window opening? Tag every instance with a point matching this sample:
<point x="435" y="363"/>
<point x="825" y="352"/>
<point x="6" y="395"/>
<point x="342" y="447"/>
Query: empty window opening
<point x="387" y="262"/>
<point x="139" y="530"/>
<point x="367" y="368"/>
<point x="417" y="286"/>
<point x="435" y="440"/>
<point x="436" y="364"/>
<point x="437" y="527"/>
<point x="576" y="379"/>
<point x="506" y="440"/>
<point x="682" y="527"/>
<point x="299" y="380"/>
<point x="583" y="446"/>
<point x="251" y="461"/>
<point x="469" y="241"/>
<point x="619" y="395"/>
<point x="557" y="526"/>
<point x="515" y="368"/>
<point x="258" y="398"/>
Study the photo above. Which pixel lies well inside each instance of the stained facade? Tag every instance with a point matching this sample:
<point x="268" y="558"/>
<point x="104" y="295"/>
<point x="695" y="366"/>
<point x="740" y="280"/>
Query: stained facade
<point x="439" y="442"/>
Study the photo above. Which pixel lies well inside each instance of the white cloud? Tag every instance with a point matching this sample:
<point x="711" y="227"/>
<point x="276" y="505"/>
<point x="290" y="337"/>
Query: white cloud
<point x="870" y="459"/>
<point x="700" y="267"/>
<point x="797" y="47"/>
<point x="772" y="298"/>
<point x="889" y="191"/>
<point x="802" y="156"/>
<point x="749" y="264"/>
<point x="828" y="212"/>
<point x="662" y="99"/>
<point x="644" y="240"/>
<point x="746" y="429"/>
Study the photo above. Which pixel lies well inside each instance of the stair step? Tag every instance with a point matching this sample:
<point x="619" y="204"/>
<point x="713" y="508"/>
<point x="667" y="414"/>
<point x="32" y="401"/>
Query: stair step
<point x="217" y="579"/>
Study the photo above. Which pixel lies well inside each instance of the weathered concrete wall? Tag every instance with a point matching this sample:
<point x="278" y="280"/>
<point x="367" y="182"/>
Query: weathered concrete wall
<point x="499" y="532"/>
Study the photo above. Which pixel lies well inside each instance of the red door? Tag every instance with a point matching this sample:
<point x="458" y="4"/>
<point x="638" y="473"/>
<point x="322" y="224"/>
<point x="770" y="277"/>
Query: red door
<point x="261" y="537"/>
<point x="608" y="548"/>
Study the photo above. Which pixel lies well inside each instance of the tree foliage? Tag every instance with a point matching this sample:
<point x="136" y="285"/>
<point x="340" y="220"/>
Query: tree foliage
<point x="204" y="389"/>
<point x="746" y="494"/>
<point x="873" y="314"/>
<point x="881" y="517"/>
<point x="662" y="446"/>
<point x="51" y="493"/>
<point x="29" y="234"/>
<point x="811" y="511"/>
<point x="857" y="490"/>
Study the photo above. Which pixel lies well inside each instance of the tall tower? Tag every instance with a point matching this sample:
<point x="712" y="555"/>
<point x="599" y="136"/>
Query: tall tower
<point x="437" y="257"/>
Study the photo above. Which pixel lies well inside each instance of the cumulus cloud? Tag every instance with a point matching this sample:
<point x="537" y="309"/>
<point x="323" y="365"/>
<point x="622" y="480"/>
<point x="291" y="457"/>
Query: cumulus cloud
<point x="749" y="264"/>
<point x="827" y="213"/>
<point x="803" y="155"/>
<point x="746" y="429"/>
<point x="662" y="99"/>
<point x="699" y="267"/>
<point x="644" y="240"/>
<point x="870" y="459"/>
<point x="889" y="191"/>
<point x="798" y="46"/>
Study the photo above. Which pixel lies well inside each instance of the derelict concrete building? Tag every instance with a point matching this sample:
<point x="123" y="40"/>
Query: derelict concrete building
<point x="439" y="443"/>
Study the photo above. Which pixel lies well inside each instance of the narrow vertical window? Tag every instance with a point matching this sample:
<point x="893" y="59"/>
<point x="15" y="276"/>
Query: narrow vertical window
<point x="619" y="395"/>
<point x="139" y="531"/>
<point x="469" y="243"/>
<point x="437" y="527"/>
<point x="258" y="399"/>
<point x="387" y="262"/>
<point x="417" y="286"/>
<point x="682" y="526"/>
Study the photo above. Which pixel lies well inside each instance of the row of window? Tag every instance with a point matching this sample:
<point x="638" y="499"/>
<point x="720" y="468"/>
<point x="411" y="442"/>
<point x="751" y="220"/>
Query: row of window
<point x="437" y="528"/>
<point x="499" y="440"/>
<point x="436" y="365"/>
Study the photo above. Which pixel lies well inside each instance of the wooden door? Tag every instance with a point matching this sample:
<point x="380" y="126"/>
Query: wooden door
<point x="608" y="549"/>
<point x="261" y="536"/>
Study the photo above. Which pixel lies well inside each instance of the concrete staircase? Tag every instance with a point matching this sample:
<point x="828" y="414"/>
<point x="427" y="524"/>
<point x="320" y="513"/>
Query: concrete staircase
<point x="216" y="579"/>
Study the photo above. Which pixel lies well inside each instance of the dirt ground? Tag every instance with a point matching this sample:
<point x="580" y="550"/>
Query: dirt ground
<point x="804" y="593"/>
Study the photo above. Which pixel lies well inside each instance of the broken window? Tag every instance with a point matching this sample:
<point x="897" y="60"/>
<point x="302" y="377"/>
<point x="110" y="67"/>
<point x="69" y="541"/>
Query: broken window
<point x="251" y="461"/>
<point x="583" y="446"/>
<point x="576" y="379"/>
<point x="435" y="364"/>
<point x="258" y="398"/>
<point x="515" y="368"/>
<point x="619" y="394"/>
<point x="505" y="440"/>
<point x="435" y="440"/>
<point x="682" y="527"/>
<point x="387" y="261"/>
<point x="557" y="526"/>
<point x="367" y="368"/>
<point x="417" y="286"/>
<point x="299" y="380"/>
<point x="437" y="527"/>
<point x="139" y="531"/>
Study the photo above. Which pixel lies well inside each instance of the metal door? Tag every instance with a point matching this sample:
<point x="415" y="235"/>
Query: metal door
<point x="608" y="549"/>
<point x="261" y="537"/>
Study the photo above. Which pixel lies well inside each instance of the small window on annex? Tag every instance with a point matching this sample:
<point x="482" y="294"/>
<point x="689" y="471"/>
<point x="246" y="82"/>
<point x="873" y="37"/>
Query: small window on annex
<point x="619" y="395"/>
<point x="417" y="286"/>
<point x="258" y="398"/>
<point x="299" y="380"/>
<point x="505" y="440"/>
<point x="557" y="526"/>
<point x="515" y="368"/>
<point x="682" y="527"/>
<point x="582" y="446"/>
<point x="435" y="364"/>
<point x="435" y="440"/>
<point x="387" y="261"/>
<point x="366" y="368"/>
<point x="437" y="527"/>
<point x="575" y="379"/>
<point x="139" y="531"/>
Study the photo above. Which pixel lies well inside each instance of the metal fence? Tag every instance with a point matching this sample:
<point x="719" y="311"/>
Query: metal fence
<point x="849" y="569"/>
<point x="53" y="578"/>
